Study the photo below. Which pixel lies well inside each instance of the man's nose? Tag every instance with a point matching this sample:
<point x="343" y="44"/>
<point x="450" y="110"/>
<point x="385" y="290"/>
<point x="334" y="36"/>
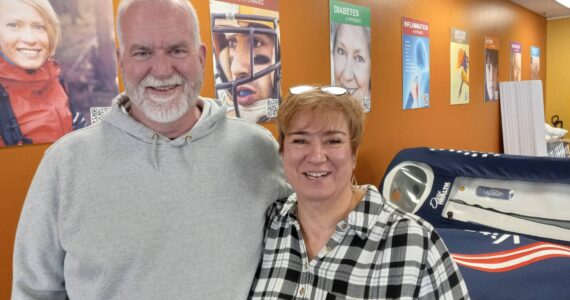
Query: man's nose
<point x="240" y="66"/>
<point x="162" y="66"/>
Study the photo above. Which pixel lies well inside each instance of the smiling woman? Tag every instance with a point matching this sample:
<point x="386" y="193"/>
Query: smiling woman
<point x="331" y="231"/>
<point x="32" y="94"/>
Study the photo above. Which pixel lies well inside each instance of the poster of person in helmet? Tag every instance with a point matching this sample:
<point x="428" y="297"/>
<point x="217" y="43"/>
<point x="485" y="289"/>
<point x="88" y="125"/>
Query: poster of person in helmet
<point x="246" y="54"/>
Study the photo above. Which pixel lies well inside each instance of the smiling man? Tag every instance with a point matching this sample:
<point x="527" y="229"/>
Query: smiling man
<point x="160" y="200"/>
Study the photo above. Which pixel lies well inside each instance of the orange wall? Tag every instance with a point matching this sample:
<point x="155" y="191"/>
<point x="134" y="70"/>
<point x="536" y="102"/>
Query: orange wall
<point x="305" y="46"/>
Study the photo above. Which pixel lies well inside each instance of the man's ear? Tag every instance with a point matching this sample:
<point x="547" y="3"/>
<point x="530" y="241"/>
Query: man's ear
<point x="202" y="55"/>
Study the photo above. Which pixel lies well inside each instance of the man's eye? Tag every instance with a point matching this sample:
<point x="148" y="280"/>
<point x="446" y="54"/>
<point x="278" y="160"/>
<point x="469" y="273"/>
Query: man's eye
<point x="179" y="52"/>
<point x="257" y="43"/>
<point x="140" y="54"/>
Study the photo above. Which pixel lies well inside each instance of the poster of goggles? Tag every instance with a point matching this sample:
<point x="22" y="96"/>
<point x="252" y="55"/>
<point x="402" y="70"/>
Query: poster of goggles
<point x="57" y="67"/>
<point x="246" y="53"/>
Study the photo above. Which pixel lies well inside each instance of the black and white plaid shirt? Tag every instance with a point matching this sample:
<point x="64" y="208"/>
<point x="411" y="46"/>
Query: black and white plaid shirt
<point x="377" y="252"/>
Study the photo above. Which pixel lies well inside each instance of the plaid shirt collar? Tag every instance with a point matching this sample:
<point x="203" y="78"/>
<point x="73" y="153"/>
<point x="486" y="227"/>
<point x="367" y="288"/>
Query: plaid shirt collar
<point x="362" y="219"/>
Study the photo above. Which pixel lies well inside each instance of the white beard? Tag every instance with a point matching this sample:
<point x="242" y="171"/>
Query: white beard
<point x="164" y="110"/>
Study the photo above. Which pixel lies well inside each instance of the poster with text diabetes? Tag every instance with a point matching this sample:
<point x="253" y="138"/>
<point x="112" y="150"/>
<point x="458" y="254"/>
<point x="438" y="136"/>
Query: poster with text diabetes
<point x="57" y="68"/>
<point x="459" y="66"/>
<point x="415" y="64"/>
<point x="350" y="49"/>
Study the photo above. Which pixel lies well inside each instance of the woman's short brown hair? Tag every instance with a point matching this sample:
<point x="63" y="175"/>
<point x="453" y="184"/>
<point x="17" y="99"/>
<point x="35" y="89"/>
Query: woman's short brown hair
<point x="323" y="106"/>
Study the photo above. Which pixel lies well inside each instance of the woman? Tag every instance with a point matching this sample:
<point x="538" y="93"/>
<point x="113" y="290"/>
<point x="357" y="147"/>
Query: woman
<point x="332" y="238"/>
<point x="351" y="58"/>
<point x="35" y="104"/>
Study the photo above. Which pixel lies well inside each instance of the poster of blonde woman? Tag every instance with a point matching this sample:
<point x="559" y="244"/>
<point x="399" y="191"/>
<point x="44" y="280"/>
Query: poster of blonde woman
<point x="516" y="62"/>
<point x="247" y="57"/>
<point x="459" y="67"/>
<point x="350" y="49"/>
<point x="491" y="73"/>
<point x="534" y="63"/>
<point x="57" y="67"/>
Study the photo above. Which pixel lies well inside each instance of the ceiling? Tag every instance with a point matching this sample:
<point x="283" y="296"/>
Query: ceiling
<point x="547" y="8"/>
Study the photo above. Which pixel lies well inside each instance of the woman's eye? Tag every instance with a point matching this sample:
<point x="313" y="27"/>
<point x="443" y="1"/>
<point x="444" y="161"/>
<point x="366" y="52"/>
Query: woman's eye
<point x="299" y="141"/>
<point x="334" y="141"/>
<point x="360" y="59"/>
<point x="39" y="27"/>
<point x="13" y="25"/>
<point x="340" y="51"/>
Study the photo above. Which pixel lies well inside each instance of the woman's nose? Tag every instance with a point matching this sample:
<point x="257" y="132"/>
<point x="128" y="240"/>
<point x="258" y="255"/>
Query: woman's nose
<point x="28" y="36"/>
<point x="348" y="71"/>
<point x="317" y="153"/>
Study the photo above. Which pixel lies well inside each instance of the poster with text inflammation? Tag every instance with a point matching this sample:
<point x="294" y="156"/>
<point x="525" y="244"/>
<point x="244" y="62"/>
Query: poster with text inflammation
<point x="57" y="68"/>
<point x="415" y="64"/>
<point x="350" y="49"/>
<point x="516" y="62"/>
<point x="534" y="63"/>
<point x="491" y="66"/>
<point x="459" y="67"/>
<point x="247" y="57"/>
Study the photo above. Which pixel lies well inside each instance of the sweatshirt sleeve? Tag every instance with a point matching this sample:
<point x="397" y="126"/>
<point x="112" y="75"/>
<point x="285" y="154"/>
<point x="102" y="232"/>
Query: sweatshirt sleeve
<point x="38" y="254"/>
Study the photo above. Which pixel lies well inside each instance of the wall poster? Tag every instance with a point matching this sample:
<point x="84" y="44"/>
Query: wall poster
<point x="491" y="73"/>
<point x="350" y="49"/>
<point x="247" y="57"/>
<point x="60" y="78"/>
<point x="534" y="63"/>
<point x="516" y="62"/>
<point x="415" y="64"/>
<point x="459" y="66"/>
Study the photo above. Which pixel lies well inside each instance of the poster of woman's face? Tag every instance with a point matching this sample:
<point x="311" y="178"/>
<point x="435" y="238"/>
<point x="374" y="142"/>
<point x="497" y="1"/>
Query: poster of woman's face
<point x="76" y="34"/>
<point x="350" y="49"/>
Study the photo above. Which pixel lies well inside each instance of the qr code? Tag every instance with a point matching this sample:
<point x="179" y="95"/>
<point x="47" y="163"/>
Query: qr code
<point x="272" y="107"/>
<point x="97" y="114"/>
<point x="366" y="104"/>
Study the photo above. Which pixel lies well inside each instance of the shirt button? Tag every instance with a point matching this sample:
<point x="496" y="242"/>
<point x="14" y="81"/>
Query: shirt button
<point x="302" y="292"/>
<point x="343" y="226"/>
<point x="327" y="249"/>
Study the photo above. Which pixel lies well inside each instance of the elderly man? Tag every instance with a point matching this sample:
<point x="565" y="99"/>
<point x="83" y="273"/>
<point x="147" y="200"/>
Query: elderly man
<point x="162" y="200"/>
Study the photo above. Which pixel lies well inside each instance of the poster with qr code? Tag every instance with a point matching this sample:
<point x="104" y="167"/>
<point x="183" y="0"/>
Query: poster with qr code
<point x="68" y="60"/>
<point x="246" y="55"/>
<point x="351" y="62"/>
